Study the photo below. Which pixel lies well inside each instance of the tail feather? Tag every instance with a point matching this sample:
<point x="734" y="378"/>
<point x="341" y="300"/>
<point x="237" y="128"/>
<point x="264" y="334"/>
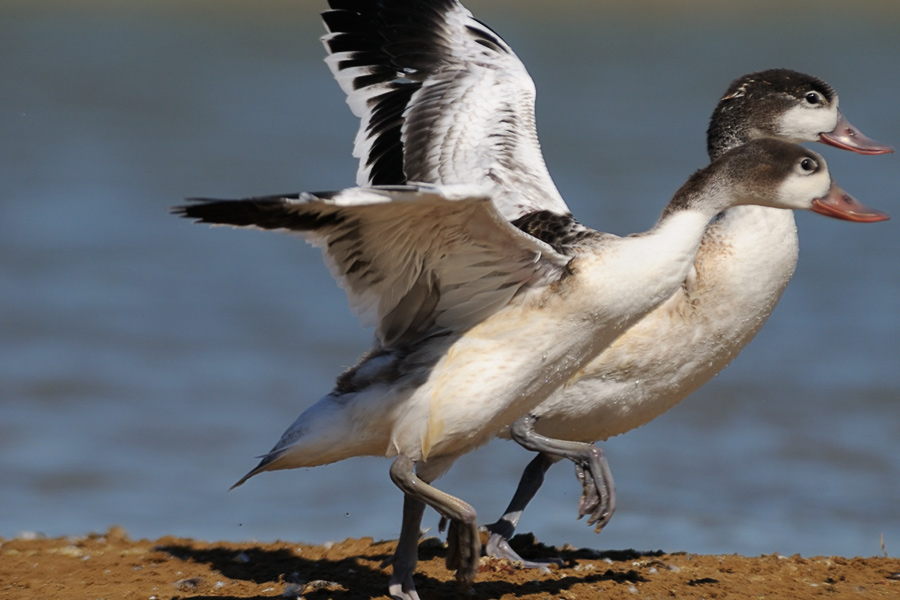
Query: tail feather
<point x="263" y="465"/>
<point x="329" y="431"/>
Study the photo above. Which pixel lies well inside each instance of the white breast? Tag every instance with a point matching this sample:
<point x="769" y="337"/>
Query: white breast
<point x="741" y="270"/>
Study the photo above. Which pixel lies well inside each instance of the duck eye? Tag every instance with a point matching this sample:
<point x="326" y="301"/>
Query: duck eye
<point x="813" y="98"/>
<point x="808" y="165"/>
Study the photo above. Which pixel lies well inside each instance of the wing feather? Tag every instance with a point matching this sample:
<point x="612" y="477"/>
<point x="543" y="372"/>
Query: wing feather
<point x="441" y="99"/>
<point x="413" y="260"/>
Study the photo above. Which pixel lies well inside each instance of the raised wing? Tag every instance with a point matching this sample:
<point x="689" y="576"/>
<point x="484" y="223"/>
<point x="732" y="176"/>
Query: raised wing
<point x="413" y="260"/>
<point x="441" y="99"/>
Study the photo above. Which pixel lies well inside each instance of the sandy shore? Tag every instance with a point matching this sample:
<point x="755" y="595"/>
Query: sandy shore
<point x="111" y="565"/>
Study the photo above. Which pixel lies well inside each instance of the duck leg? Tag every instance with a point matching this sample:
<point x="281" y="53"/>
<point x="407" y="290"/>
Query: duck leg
<point x="501" y="531"/>
<point x="598" y="499"/>
<point x="463" y="542"/>
<point x="406" y="556"/>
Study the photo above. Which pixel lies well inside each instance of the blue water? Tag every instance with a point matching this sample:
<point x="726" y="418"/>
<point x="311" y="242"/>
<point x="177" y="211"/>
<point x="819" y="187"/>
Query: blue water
<point x="147" y="361"/>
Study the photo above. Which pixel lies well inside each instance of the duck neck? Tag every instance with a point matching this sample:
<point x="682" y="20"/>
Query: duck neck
<point x="681" y="230"/>
<point x="762" y="247"/>
<point x="685" y="219"/>
<point x="667" y="251"/>
<point x="761" y="239"/>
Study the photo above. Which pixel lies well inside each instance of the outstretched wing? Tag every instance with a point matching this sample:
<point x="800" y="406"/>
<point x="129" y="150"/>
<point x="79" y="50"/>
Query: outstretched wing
<point x="413" y="260"/>
<point x="441" y="99"/>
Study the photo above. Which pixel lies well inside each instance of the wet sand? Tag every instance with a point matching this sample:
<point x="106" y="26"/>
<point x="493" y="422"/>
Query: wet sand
<point x="112" y="565"/>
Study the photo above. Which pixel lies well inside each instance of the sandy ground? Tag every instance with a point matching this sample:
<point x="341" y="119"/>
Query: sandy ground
<point x="111" y="565"/>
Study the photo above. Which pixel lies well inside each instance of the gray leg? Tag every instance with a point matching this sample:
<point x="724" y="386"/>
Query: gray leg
<point x="598" y="499"/>
<point x="505" y="527"/>
<point x="407" y="554"/>
<point x="463" y="543"/>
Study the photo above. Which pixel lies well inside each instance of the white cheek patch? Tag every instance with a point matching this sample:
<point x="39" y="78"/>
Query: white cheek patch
<point x="804" y="123"/>
<point x="798" y="191"/>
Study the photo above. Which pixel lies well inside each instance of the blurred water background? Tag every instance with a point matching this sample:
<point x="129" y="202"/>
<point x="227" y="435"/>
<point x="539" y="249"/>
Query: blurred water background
<point x="145" y="361"/>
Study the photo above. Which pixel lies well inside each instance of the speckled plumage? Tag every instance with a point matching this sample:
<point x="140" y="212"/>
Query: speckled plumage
<point x="753" y="103"/>
<point x="559" y="231"/>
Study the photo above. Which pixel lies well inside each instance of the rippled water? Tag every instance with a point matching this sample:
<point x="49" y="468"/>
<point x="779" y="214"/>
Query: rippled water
<point x="146" y="361"/>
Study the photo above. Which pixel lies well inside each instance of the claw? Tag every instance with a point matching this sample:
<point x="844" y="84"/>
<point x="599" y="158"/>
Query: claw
<point x="498" y="547"/>
<point x="590" y="498"/>
<point x="403" y="589"/>
<point x="598" y="499"/>
<point x="463" y="551"/>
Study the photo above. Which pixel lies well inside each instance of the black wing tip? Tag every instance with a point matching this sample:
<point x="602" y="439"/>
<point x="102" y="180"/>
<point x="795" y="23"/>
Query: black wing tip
<point x="181" y="210"/>
<point x="218" y="212"/>
<point x="277" y="212"/>
<point x="197" y="208"/>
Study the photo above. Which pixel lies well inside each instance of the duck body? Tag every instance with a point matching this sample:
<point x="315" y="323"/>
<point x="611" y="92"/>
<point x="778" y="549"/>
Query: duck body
<point x="438" y="397"/>
<point x="744" y="263"/>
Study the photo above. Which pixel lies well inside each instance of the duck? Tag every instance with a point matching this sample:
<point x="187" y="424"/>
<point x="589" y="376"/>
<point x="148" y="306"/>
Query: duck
<point x="479" y="319"/>
<point x="744" y="264"/>
<point x="442" y="98"/>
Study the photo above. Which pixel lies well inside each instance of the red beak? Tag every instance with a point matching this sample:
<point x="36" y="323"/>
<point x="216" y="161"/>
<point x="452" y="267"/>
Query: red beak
<point x="838" y="204"/>
<point x="846" y="137"/>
